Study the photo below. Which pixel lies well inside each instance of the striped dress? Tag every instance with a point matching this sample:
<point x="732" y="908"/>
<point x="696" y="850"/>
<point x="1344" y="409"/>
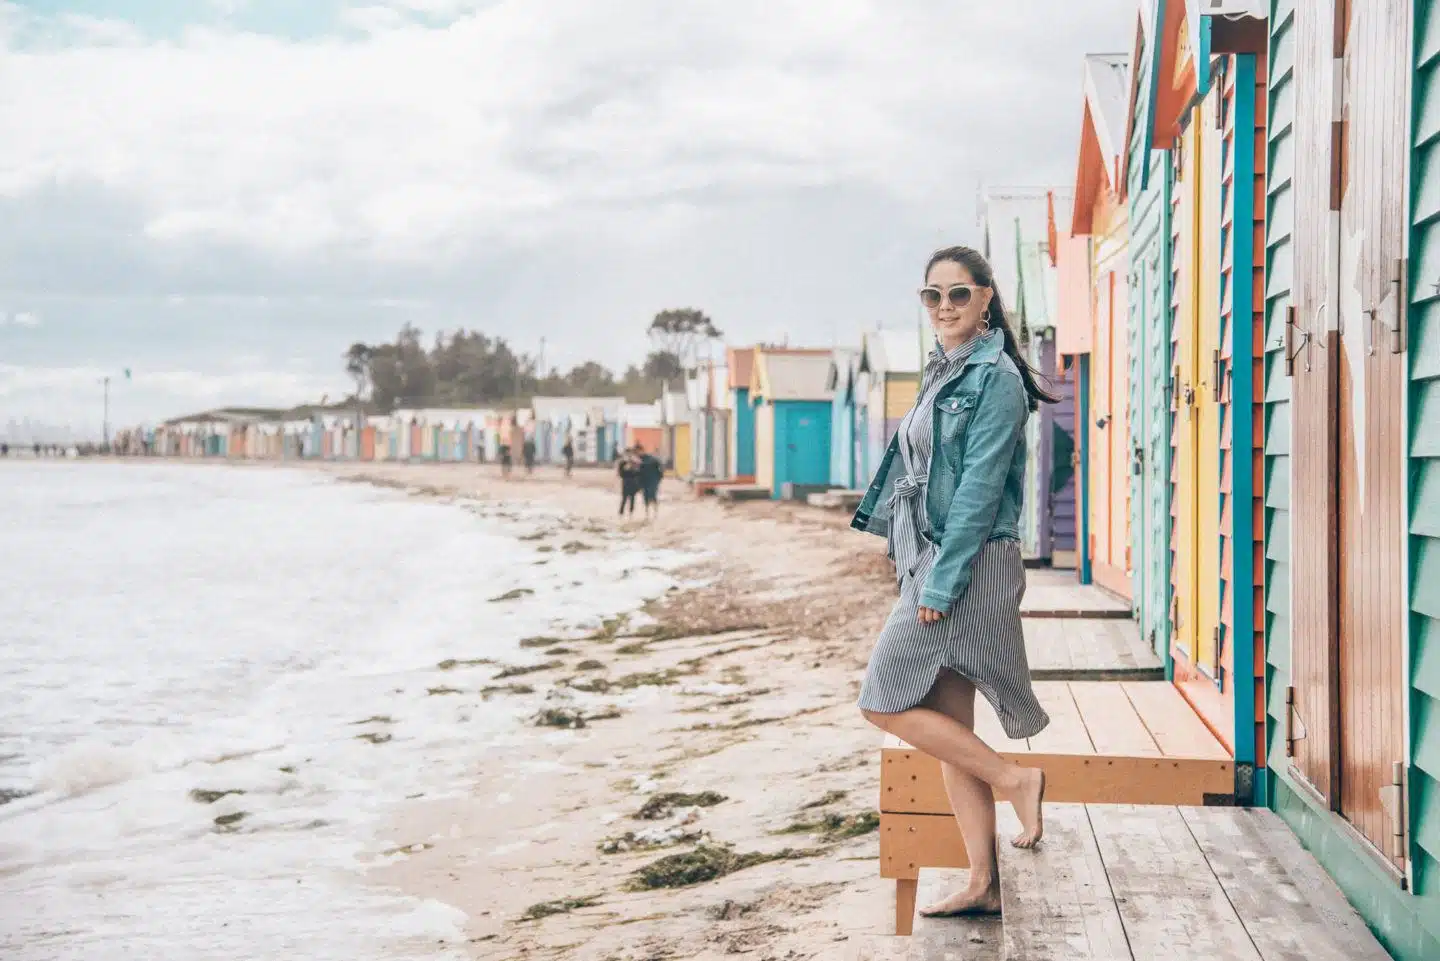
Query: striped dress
<point x="981" y="639"/>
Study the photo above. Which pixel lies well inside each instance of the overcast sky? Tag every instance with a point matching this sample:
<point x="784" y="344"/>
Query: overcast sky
<point x="223" y="199"/>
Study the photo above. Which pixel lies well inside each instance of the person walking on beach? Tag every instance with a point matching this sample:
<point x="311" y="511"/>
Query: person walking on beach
<point x="629" y="470"/>
<point x="504" y="460"/>
<point x="568" y="452"/>
<point x="947" y="499"/>
<point x="528" y="452"/>
<point x="650" y="473"/>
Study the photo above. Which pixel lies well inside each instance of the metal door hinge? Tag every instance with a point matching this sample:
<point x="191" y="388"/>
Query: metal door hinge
<point x="1216" y="376"/>
<point x="1219" y="670"/>
<point x="1400" y="278"/>
<point x="1392" y="802"/>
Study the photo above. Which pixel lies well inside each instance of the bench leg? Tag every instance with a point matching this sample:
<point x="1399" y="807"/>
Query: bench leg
<point x="905" y="905"/>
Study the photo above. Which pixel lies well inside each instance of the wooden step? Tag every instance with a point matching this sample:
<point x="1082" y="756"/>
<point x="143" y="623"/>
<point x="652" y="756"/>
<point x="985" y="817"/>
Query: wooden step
<point x="1057" y="593"/>
<point x="1137" y="883"/>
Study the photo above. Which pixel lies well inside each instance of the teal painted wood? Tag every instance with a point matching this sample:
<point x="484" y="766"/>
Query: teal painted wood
<point x="802" y="443"/>
<point x="744" y="437"/>
<point x="1424" y="462"/>
<point x="1279" y="262"/>
<point x="1240" y="404"/>
<point x="1148" y="200"/>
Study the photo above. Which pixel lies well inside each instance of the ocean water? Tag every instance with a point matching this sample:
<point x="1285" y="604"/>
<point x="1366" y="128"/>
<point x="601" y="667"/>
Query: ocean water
<point x="166" y="630"/>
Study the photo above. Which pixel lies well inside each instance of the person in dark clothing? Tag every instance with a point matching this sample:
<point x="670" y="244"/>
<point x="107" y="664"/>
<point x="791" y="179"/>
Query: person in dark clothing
<point x="504" y="460"/>
<point x="528" y="452"/>
<point x="650" y="473"/>
<point x="569" y="453"/>
<point x="629" y="470"/>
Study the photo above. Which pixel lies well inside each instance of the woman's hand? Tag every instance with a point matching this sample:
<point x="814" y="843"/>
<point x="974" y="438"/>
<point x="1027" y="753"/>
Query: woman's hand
<point x="928" y="615"/>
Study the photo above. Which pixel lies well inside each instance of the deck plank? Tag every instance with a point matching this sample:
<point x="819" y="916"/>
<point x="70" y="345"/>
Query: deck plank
<point x="1057" y="899"/>
<point x="1056" y="593"/>
<point x="952" y="939"/>
<point x="1112" y="722"/>
<point x="1171" y="902"/>
<point x="1290" y="908"/>
<point x="1177" y="729"/>
<point x="1066" y="733"/>
<point x="988" y="727"/>
<point x="1070" y="649"/>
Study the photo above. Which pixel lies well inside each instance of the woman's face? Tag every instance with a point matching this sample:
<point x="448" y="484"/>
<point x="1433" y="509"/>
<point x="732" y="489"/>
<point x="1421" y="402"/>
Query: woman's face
<point x="953" y="324"/>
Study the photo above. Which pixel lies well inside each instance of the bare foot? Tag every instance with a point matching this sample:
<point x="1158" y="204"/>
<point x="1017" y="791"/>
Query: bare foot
<point x="985" y="900"/>
<point x="1027" y="802"/>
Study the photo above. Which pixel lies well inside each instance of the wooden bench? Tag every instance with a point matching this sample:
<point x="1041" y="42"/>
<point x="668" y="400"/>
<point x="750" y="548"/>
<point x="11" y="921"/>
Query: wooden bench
<point x="1108" y="743"/>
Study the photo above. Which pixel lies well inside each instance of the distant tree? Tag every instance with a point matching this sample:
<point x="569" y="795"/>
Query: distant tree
<point x="357" y="365"/>
<point x="680" y="332"/>
<point x="663" y="366"/>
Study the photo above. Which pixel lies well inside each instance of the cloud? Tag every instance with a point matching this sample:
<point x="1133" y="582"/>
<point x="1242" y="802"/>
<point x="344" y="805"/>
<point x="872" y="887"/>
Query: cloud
<point x="412" y="140"/>
<point x="220" y="188"/>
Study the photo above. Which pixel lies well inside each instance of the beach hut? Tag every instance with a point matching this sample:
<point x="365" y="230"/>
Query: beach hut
<point x="1050" y="479"/>
<point x="1146" y="181"/>
<point x="642" y="426"/>
<point x="740" y="363"/>
<point x="1014" y="224"/>
<point x="1205" y="90"/>
<point x="1352" y="424"/>
<point x="889" y="370"/>
<point x="841" y="382"/>
<point x="792" y="418"/>
<point x="675" y="418"/>
<point x="1103" y="412"/>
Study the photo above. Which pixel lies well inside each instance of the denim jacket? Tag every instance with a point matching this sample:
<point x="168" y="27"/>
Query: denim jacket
<point x="977" y="471"/>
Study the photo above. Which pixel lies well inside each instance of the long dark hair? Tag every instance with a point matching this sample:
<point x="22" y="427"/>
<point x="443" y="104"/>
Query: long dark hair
<point x="973" y="261"/>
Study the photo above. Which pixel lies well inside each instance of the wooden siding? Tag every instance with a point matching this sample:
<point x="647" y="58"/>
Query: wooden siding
<point x="1242" y="346"/>
<point x="765" y="444"/>
<point x="1315" y="349"/>
<point x="1424" y="457"/>
<point x="1372" y="416"/>
<point x="1148" y="195"/>
<point x="900" y="394"/>
<point x="1109" y="474"/>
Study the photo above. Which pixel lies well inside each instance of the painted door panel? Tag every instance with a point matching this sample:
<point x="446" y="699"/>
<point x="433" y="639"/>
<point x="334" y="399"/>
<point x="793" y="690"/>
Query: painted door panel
<point x="1118" y="433"/>
<point x="1371" y="385"/>
<point x="1185" y="418"/>
<point x="1207" y="405"/>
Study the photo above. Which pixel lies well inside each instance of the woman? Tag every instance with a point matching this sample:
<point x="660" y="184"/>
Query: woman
<point x="629" y="470"/>
<point x="947" y="498"/>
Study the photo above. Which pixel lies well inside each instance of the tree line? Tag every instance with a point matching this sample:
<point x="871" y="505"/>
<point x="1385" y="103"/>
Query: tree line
<point x="465" y="368"/>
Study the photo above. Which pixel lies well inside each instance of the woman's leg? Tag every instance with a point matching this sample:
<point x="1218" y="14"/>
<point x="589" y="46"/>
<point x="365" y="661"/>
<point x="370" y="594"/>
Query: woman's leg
<point x="950" y="742"/>
<point x="973" y="803"/>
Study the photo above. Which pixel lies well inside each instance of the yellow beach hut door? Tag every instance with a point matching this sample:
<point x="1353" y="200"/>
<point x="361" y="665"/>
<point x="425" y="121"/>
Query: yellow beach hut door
<point x="1196" y="431"/>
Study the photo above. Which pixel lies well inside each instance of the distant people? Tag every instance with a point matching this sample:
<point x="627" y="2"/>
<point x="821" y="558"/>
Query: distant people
<point x="569" y="453"/>
<point x="4" y="450"/>
<point x="628" y="468"/>
<point x="528" y="452"/>
<point x="650" y="473"/>
<point x="504" y="460"/>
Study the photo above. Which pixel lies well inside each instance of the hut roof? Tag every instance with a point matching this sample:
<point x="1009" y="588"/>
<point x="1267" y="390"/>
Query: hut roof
<point x="549" y="408"/>
<point x="841" y="378"/>
<point x="891" y="352"/>
<point x="1101" y="131"/>
<point x="641" y="415"/>
<point x="740" y="362"/>
<point x="1005" y="214"/>
<point x="782" y="374"/>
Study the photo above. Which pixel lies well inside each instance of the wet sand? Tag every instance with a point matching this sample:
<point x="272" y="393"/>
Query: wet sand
<point x="741" y="708"/>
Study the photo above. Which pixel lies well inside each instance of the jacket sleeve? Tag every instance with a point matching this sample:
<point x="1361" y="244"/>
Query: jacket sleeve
<point x="996" y="426"/>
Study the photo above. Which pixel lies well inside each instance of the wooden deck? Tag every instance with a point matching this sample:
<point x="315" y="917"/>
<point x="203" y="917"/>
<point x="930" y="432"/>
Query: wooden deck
<point x="1056" y="593"/>
<point x="1106" y="649"/>
<point x="1127" y="883"/>
<point x="1116" y="742"/>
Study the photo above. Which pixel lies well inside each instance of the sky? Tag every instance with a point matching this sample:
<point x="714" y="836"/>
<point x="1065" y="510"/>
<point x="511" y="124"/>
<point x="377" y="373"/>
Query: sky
<point x="222" y="195"/>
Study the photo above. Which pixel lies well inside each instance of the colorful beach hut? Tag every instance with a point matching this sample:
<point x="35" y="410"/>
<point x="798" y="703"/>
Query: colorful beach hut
<point x="1352" y="455"/>
<point x="792" y="419"/>
<point x="1103" y="412"/>
<point x="708" y="394"/>
<point x="844" y="440"/>
<point x="1015" y="229"/>
<point x="677" y="446"/>
<point x="643" y="426"/>
<point x="1146" y="181"/>
<point x="889" y="368"/>
<point x="740" y="363"/>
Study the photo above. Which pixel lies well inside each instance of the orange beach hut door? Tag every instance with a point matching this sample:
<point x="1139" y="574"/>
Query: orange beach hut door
<point x="1349" y="419"/>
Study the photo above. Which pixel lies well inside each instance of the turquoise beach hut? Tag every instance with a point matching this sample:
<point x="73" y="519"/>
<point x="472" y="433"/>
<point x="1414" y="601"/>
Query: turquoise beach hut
<point x="792" y="419"/>
<point x="844" y="466"/>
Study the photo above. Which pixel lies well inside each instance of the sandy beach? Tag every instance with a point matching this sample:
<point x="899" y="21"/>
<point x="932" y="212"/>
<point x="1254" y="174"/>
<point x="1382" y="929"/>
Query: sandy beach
<point x="743" y="754"/>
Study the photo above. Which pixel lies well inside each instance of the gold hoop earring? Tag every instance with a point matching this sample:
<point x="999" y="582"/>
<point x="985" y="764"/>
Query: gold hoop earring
<point x="985" y="318"/>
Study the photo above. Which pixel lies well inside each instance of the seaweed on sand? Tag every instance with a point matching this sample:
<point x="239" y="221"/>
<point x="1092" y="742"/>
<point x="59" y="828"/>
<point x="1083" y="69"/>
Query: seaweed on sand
<point x="661" y="805"/>
<point x="837" y="827"/>
<point x="450" y="663"/>
<point x="546" y="909"/>
<point x="518" y="670"/>
<point x="201" y="796"/>
<point x="514" y="595"/>
<point x="705" y="863"/>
